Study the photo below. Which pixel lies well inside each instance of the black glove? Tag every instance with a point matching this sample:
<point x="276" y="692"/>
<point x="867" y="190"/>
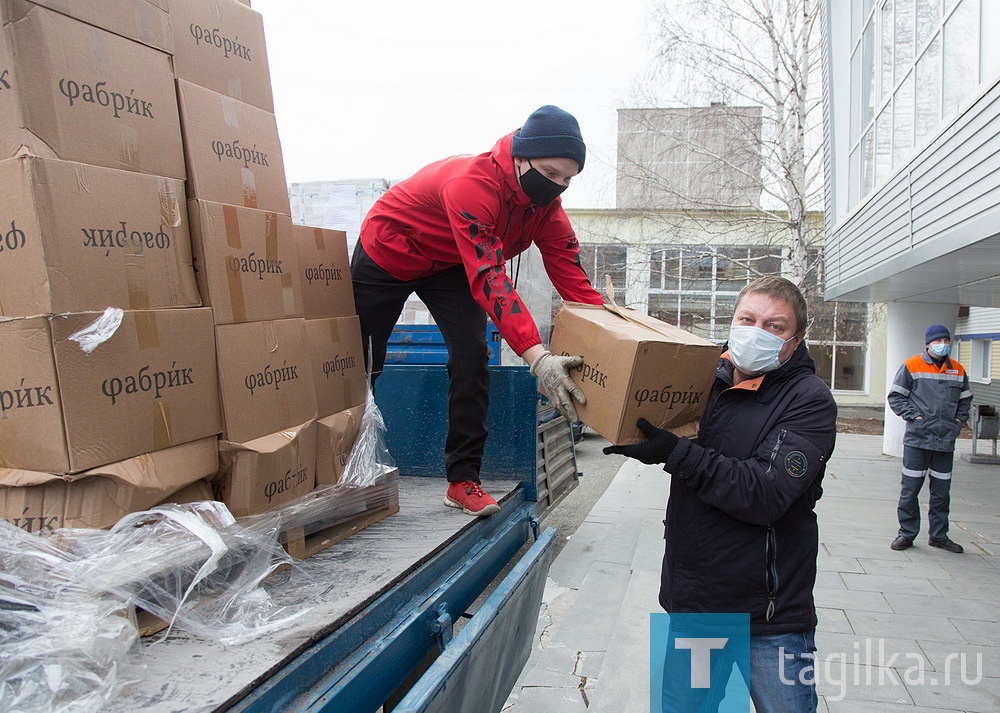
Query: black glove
<point x="656" y="449"/>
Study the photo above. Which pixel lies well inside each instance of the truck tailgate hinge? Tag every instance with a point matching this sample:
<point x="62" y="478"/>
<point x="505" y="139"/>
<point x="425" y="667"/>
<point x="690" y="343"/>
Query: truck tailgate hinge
<point x="443" y="626"/>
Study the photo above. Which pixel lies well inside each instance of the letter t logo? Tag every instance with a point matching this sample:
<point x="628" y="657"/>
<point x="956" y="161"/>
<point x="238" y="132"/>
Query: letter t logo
<point x="701" y="658"/>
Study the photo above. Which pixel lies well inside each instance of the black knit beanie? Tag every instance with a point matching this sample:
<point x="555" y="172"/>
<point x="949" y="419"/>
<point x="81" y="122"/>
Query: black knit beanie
<point x="549" y="132"/>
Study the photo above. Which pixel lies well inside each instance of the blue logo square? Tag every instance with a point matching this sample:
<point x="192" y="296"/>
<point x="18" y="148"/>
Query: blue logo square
<point x="699" y="662"/>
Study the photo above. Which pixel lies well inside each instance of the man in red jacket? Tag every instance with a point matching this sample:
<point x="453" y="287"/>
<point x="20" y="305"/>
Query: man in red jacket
<point x="445" y="234"/>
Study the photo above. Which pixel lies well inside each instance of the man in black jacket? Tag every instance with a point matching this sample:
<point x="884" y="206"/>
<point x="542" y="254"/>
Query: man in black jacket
<point x="741" y="532"/>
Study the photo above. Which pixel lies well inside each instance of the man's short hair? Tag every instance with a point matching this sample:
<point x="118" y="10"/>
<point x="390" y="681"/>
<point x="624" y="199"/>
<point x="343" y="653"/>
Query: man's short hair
<point x="781" y="289"/>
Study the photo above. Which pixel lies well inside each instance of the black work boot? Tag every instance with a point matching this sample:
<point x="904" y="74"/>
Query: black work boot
<point x="946" y="544"/>
<point x="901" y="543"/>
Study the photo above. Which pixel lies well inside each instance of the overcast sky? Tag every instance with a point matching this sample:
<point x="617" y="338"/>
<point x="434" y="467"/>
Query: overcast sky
<point x="379" y="89"/>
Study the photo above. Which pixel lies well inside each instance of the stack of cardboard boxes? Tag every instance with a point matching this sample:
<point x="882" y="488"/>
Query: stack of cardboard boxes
<point x="93" y="209"/>
<point x="106" y="108"/>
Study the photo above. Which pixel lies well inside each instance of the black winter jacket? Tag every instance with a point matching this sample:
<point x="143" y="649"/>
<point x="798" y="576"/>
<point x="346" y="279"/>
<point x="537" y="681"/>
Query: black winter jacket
<point x="741" y="531"/>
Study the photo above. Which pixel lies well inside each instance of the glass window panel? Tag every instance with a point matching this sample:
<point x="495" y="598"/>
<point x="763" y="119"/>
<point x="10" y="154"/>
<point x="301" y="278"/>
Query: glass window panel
<point x="883" y="144"/>
<point x="696" y="270"/>
<point x="664" y="307"/>
<point x="731" y="269"/>
<point x="671" y="269"/>
<point x="902" y="121"/>
<point x="885" y="51"/>
<point x="724" y="309"/>
<point x="813" y="257"/>
<point x="980" y="357"/>
<point x="822" y="355"/>
<point x="928" y="20"/>
<point x="656" y="270"/>
<point x="856" y="11"/>
<point x="903" y="37"/>
<point x="822" y="321"/>
<point x="855" y="96"/>
<point x="852" y="321"/>
<point x="850" y="368"/>
<point x="587" y="253"/>
<point x="928" y="97"/>
<point x="867" y="162"/>
<point x="610" y="260"/>
<point x="961" y="54"/>
<point x="765" y="260"/>
<point x="868" y="74"/>
<point x="854" y="178"/>
<point x="696" y="314"/>
<point x="989" y="47"/>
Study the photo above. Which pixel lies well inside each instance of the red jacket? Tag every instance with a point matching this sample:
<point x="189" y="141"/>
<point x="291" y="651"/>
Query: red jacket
<point x="470" y="210"/>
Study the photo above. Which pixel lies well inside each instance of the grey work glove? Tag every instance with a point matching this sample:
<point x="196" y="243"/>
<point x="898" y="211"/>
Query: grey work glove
<point x="553" y="376"/>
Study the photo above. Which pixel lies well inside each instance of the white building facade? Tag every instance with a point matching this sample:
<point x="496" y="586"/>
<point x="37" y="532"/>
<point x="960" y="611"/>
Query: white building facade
<point x="912" y="172"/>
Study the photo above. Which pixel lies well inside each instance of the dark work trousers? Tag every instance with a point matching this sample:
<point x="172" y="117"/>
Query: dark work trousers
<point x="918" y="463"/>
<point x="379" y="300"/>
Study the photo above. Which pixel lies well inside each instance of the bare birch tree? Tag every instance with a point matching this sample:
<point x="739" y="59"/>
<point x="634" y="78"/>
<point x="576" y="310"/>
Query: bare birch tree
<point x="757" y="62"/>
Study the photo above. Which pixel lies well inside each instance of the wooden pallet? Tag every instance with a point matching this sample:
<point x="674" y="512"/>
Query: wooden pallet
<point x="377" y="502"/>
<point x="300" y="546"/>
<point x="309" y="530"/>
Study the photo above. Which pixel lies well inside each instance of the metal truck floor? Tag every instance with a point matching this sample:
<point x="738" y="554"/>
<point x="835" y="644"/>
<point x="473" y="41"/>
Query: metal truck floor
<point x="187" y="673"/>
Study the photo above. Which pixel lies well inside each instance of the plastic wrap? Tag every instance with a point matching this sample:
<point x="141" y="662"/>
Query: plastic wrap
<point x="100" y="330"/>
<point x="66" y="600"/>
<point x="333" y="505"/>
<point x="193" y="567"/>
<point x="369" y="459"/>
<point x="62" y="647"/>
<point x="368" y="484"/>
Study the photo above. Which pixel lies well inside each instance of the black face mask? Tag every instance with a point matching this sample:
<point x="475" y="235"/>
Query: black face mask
<point x="538" y="188"/>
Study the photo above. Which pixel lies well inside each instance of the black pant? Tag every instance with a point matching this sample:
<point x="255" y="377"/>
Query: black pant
<point x="379" y="300"/>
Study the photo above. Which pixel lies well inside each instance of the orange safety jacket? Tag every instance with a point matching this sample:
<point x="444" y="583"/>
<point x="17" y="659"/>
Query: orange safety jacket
<point x="938" y="392"/>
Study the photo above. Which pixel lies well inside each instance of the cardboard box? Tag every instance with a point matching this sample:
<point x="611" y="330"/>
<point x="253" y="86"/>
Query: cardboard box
<point x="100" y="497"/>
<point x="266" y="472"/>
<point x="324" y="272"/>
<point x="69" y="243"/>
<point x="145" y="21"/>
<point x="338" y="363"/>
<point x="335" y="437"/>
<point x="149" y="383"/>
<point x="78" y="93"/>
<point x="635" y="366"/>
<point x="232" y="151"/>
<point x="246" y="262"/>
<point x="220" y="45"/>
<point x="196" y="492"/>
<point x="265" y="378"/>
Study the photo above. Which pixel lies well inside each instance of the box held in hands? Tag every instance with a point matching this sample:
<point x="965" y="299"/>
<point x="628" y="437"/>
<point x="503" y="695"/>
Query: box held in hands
<point x="635" y="366"/>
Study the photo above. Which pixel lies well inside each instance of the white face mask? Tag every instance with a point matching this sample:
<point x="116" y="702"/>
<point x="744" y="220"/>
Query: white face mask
<point x="754" y="351"/>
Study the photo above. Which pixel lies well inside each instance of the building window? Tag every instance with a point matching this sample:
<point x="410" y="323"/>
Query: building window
<point x="696" y="287"/>
<point x="912" y="63"/>
<point x="979" y="360"/>
<point x="601" y="260"/>
<point x="838" y="343"/>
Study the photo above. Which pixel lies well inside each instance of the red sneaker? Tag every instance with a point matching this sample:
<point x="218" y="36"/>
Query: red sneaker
<point x="470" y="497"/>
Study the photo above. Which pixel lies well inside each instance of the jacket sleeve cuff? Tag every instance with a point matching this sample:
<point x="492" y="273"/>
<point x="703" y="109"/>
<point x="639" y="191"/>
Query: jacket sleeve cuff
<point x="673" y="463"/>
